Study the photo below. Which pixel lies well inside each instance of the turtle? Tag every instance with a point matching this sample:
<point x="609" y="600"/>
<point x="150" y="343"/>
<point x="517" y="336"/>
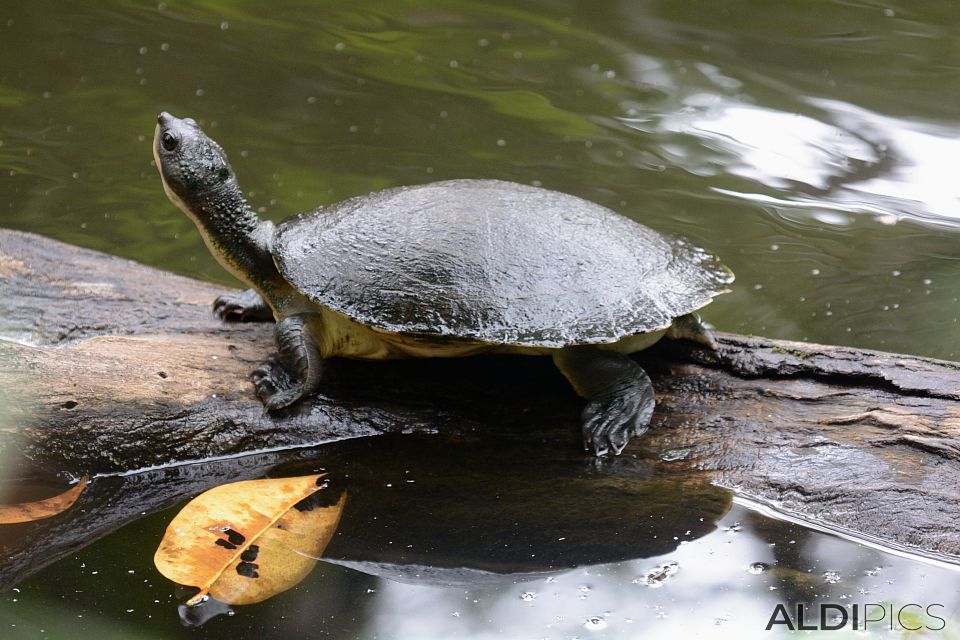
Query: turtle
<point x="448" y="269"/>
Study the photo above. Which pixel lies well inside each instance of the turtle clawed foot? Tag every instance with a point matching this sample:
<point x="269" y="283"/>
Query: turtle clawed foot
<point x="275" y="386"/>
<point x="619" y="395"/>
<point x="242" y="306"/>
<point x="609" y="421"/>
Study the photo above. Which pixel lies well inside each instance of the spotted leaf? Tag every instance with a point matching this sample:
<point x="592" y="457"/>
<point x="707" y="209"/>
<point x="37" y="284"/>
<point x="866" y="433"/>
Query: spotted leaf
<point x="247" y="541"/>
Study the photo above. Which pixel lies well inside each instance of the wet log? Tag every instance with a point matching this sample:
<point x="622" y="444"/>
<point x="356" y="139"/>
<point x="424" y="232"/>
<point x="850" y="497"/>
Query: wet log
<point x="108" y="366"/>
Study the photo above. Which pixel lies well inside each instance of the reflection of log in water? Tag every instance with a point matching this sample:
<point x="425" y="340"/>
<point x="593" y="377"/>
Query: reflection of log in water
<point x="132" y="371"/>
<point x="438" y="509"/>
<point x="432" y="510"/>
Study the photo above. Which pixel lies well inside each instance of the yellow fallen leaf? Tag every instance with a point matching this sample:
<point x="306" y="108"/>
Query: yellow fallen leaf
<point x="31" y="511"/>
<point x="244" y="542"/>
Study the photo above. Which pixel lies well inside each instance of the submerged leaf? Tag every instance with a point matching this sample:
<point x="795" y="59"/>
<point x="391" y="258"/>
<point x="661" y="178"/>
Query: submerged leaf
<point x="244" y="542"/>
<point x="31" y="511"/>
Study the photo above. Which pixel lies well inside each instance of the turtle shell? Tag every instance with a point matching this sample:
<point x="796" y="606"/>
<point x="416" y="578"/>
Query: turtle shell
<point x="494" y="262"/>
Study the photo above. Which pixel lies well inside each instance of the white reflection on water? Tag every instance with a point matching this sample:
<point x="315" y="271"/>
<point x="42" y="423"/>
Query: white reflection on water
<point x="833" y="159"/>
<point x="923" y="177"/>
<point x="919" y="181"/>
<point x="771" y="147"/>
<point x="712" y="595"/>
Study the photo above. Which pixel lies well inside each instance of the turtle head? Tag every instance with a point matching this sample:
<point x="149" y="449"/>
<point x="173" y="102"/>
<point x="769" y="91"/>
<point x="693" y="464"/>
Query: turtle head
<point x="199" y="180"/>
<point x="194" y="168"/>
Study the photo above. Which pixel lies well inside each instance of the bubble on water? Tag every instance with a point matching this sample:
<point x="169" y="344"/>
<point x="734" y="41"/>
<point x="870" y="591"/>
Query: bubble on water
<point x="831" y="577"/>
<point x="528" y="596"/>
<point x="655" y="577"/>
<point x="757" y="568"/>
<point x="734" y="528"/>
<point x="224" y="25"/>
<point x="594" y="623"/>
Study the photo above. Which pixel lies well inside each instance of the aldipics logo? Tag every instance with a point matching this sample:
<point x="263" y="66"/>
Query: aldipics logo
<point x="859" y="617"/>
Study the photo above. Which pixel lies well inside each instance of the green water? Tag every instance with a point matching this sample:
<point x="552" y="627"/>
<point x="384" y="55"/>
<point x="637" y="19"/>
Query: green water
<point x="811" y="144"/>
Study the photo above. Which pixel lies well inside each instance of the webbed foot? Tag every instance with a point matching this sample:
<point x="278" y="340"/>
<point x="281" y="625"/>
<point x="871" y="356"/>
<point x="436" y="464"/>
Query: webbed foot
<point x="609" y="421"/>
<point x="242" y="306"/>
<point x="619" y="393"/>
<point x="276" y="386"/>
<point x="292" y="373"/>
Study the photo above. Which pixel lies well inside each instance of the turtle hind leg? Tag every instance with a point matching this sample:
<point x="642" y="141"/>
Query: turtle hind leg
<point x="242" y="306"/>
<point x="294" y="372"/>
<point x="619" y="395"/>
<point x="691" y="327"/>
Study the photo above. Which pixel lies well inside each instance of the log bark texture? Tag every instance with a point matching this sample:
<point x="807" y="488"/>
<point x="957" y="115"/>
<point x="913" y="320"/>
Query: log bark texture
<point x="110" y="366"/>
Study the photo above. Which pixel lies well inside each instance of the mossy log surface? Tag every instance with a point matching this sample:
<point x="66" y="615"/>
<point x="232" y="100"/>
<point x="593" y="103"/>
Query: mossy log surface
<point x="110" y="366"/>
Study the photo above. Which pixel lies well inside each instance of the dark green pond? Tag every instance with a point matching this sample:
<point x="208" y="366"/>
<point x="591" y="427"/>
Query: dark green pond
<point x="812" y="145"/>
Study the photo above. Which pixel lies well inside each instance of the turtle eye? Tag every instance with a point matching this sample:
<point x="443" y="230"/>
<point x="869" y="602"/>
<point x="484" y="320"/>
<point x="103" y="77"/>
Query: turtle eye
<point x="169" y="141"/>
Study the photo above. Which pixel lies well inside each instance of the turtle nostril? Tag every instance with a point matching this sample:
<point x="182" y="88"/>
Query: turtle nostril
<point x="164" y="117"/>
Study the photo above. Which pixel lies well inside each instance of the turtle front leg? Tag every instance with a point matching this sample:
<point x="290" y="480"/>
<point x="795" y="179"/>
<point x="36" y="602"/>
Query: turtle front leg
<point x="242" y="306"/>
<point x="618" y="391"/>
<point x="294" y="372"/>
